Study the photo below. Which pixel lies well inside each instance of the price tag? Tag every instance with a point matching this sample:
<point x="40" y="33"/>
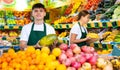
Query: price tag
<point x="67" y="26"/>
<point x="20" y="27"/>
<point x="104" y="46"/>
<point x="96" y="46"/>
<point x="114" y="24"/>
<point x="60" y="26"/>
<point x="96" y="25"/>
<point x="6" y="27"/>
<point x="1" y="27"/>
<point x="10" y="27"/>
<point x="16" y="27"/>
<point x="104" y="24"/>
<point x="89" y="25"/>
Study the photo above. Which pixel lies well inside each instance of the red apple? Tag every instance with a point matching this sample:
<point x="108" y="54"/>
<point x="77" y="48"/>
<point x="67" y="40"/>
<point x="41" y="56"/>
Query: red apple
<point x="91" y="49"/>
<point x="71" y="68"/>
<point x="93" y="60"/>
<point x="62" y="57"/>
<point x="72" y="46"/>
<point x="67" y="62"/>
<point x="84" y="48"/>
<point x="76" y="65"/>
<point x="72" y="59"/>
<point x="76" y="50"/>
<point x="69" y="53"/>
<point x="63" y="46"/>
<point x="82" y="59"/>
<point x="88" y="55"/>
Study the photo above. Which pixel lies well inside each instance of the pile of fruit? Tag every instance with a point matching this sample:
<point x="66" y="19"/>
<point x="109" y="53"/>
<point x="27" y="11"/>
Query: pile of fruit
<point x="1" y="14"/>
<point x="11" y="22"/>
<point x="63" y="58"/>
<point x="31" y="59"/>
<point x="2" y="21"/>
<point x="116" y="62"/>
<point x="110" y="36"/>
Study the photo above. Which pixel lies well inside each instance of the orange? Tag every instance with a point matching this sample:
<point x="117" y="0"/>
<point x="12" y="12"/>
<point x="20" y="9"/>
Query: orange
<point x="4" y="65"/>
<point x="41" y="67"/>
<point x="32" y="67"/>
<point x="37" y="52"/>
<point x="51" y="56"/>
<point x="61" y="67"/>
<point x="11" y="51"/>
<point x="56" y="52"/>
<point x="45" y="50"/>
<point x="30" y="49"/>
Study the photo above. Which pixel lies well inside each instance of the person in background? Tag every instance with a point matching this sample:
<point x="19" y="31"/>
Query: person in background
<point x="34" y="31"/>
<point x="78" y="32"/>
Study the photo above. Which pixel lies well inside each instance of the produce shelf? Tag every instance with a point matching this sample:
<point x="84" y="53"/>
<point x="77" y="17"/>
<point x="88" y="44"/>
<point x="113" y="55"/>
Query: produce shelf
<point x="10" y="27"/>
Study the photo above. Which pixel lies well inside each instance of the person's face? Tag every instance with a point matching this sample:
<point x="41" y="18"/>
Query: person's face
<point x="38" y="13"/>
<point x="85" y="19"/>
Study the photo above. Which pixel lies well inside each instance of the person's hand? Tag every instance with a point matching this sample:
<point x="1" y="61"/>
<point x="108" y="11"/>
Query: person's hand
<point x="87" y="38"/>
<point x="37" y="46"/>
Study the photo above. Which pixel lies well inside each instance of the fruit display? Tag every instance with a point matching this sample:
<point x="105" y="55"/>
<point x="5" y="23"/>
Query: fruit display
<point x="9" y="14"/>
<point x="31" y="59"/>
<point x="116" y="62"/>
<point x="62" y="58"/>
<point x="111" y="13"/>
<point x="11" y="22"/>
<point x="116" y="14"/>
<point x="2" y="21"/>
<point x="2" y="14"/>
<point x="110" y="36"/>
<point x="91" y="3"/>
<point x="117" y="38"/>
<point x="104" y="51"/>
<point x="9" y="38"/>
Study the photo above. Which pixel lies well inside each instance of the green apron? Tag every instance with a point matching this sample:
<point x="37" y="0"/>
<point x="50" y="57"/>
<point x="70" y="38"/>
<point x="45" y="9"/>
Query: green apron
<point x="35" y="36"/>
<point x="83" y="35"/>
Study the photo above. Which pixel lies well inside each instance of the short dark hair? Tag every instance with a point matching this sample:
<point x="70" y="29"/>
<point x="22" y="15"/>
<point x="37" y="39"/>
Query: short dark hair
<point x="82" y="13"/>
<point x="38" y="5"/>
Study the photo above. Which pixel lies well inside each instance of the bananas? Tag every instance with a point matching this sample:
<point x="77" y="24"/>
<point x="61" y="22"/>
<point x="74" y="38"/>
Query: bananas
<point x="110" y="35"/>
<point x="93" y="35"/>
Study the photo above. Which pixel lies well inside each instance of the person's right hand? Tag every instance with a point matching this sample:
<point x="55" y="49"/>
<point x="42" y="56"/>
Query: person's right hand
<point x="87" y="38"/>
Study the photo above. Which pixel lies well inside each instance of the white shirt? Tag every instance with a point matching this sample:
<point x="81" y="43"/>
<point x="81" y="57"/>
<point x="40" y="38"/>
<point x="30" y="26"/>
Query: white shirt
<point x="27" y="29"/>
<point x="76" y="30"/>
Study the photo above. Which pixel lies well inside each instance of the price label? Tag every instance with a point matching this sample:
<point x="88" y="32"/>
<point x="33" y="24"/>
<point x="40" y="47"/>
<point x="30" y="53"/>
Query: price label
<point x="96" y="25"/>
<point x="89" y="25"/>
<point x="96" y="46"/>
<point x="104" y="46"/>
<point x="104" y="24"/>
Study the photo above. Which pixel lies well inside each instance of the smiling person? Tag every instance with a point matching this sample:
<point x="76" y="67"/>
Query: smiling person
<point x="34" y="31"/>
<point x="78" y="32"/>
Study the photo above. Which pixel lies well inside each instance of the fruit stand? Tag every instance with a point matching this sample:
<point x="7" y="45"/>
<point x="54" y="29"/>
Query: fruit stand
<point x="104" y="24"/>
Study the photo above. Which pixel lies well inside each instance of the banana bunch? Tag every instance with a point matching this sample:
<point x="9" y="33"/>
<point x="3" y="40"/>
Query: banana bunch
<point x="62" y="35"/>
<point x="93" y="35"/>
<point x="106" y="33"/>
<point x="112" y="36"/>
<point x="116" y="63"/>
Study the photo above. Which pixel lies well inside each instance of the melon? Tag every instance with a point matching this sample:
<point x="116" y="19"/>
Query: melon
<point x="48" y="40"/>
<point x="8" y="1"/>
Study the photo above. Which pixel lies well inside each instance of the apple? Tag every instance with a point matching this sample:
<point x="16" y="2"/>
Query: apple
<point x="101" y="62"/>
<point x="76" y="65"/>
<point x="82" y="59"/>
<point x="93" y="60"/>
<point x="62" y="57"/>
<point x="67" y="62"/>
<point x="77" y="50"/>
<point x="88" y="55"/>
<point x="84" y="48"/>
<point x="69" y="53"/>
<point x="72" y="46"/>
<point x="87" y="66"/>
<point x="72" y="59"/>
<point x="63" y="46"/>
<point x="71" y="68"/>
